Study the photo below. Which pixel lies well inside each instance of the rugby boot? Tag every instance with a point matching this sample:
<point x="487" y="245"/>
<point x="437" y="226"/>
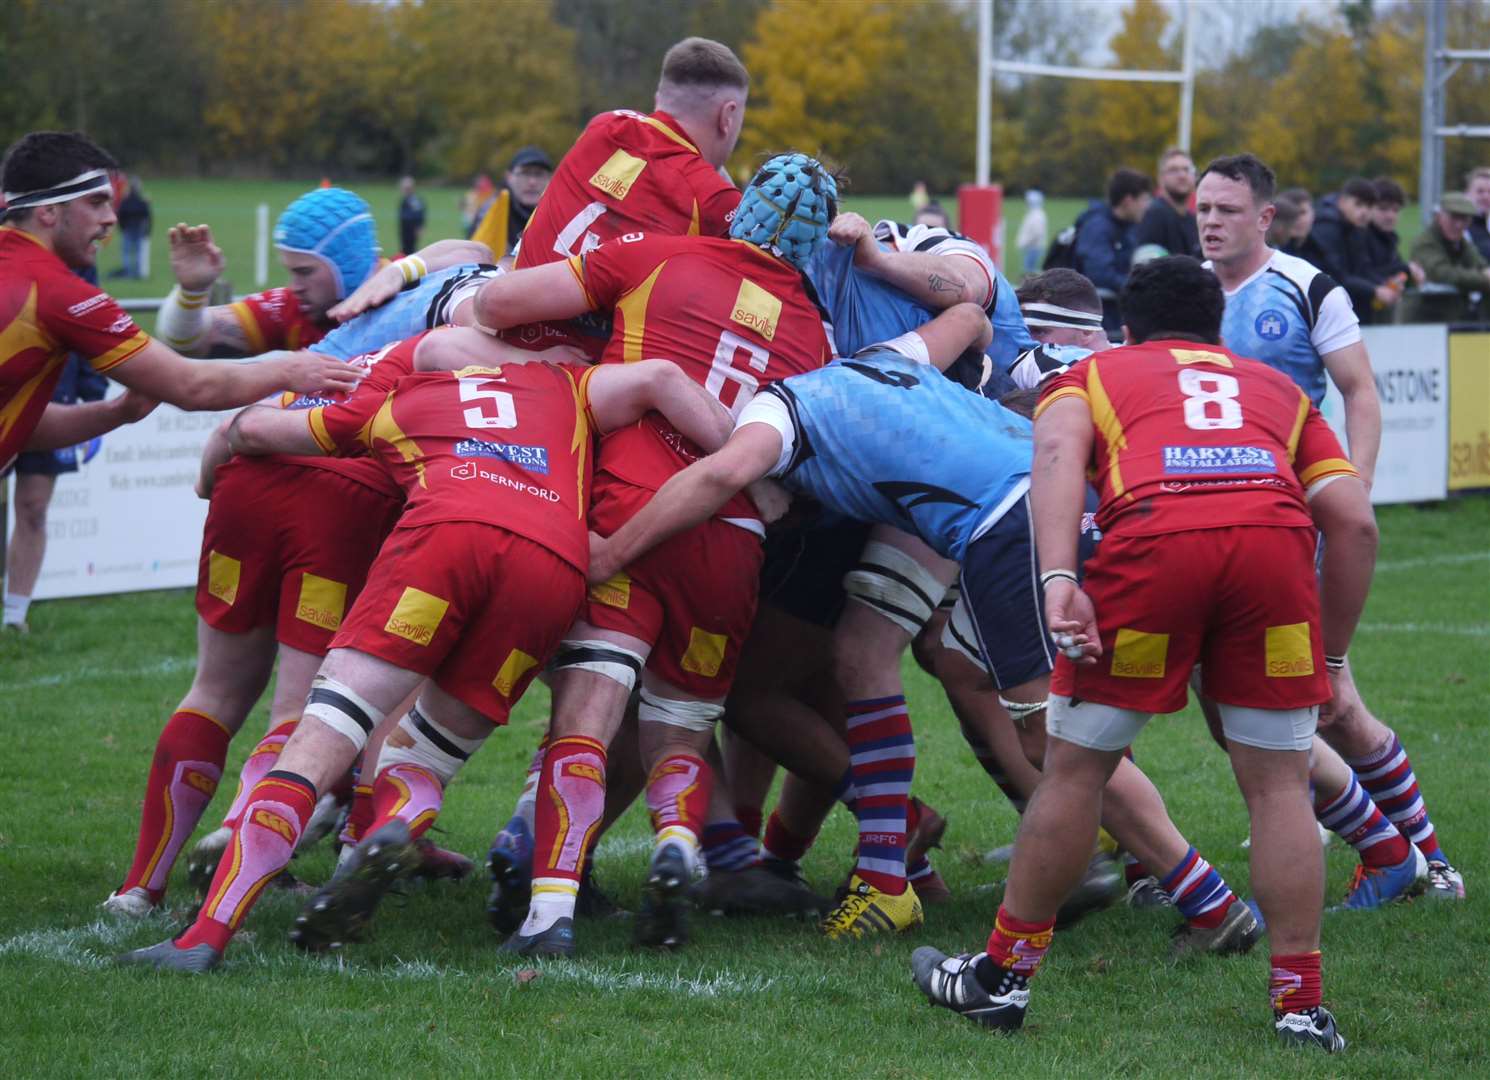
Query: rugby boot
<point x="593" y="902"/>
<point x="341" y="909"/>
<point x="510" y="866"/>
<point x="440" y="864"/>
<point x="756" y="891"/>
<point x="323" y="820"/>
<point x="662" y="921"/>
<point x="867" y="910"/>
<point x="132" y="903"/>
<point x="924" y="830"/>
<point x="168" y="956"/>
<point x="1146" y="893"/>
<point x="1374" y="886"/>
<point x="557" y="940"/>
<point x="952" y="982"/>
<point x="1101" y="886"/>
<point x="1314" y="1027"/>
<point x="1237" y="933"/>
<point x="1444" y="882"/>
<point x="206" y="853"/>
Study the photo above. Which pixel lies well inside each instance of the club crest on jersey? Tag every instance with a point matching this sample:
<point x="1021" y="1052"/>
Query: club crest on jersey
<point x="756" y="309"/>
<point x="1217" y="460"/>
<point x="528" y="458"/>
<point x="1271" y="325"/>
<point x="618" y="173"/>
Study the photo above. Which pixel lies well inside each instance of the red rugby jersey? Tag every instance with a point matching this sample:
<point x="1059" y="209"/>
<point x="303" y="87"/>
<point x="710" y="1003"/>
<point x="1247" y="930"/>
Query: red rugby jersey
<point x="1193" y="436"/>
<point x="273" y="319"/>
<point x="506" y="446"/>
<point x="732" y="316"/>
<point x="46" y="312"/>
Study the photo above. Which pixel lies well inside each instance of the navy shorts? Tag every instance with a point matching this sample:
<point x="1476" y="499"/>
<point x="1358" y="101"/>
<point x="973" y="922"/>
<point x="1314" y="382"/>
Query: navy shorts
<point x="1000" y="582"/>
<point x="804" y="567"/>
<point x="47" y="462"/>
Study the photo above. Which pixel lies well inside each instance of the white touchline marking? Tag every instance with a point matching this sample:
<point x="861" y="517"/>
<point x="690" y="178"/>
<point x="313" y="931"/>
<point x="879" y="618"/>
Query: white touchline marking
<point x="1433" y="560"/>
<point x="169" y="666"/>
<point x="1425" y="628"/>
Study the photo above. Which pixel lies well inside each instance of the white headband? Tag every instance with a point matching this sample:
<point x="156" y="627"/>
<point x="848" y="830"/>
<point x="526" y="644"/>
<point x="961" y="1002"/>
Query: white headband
<point x="88" y="183"/>
<point x="1054" y="315"/>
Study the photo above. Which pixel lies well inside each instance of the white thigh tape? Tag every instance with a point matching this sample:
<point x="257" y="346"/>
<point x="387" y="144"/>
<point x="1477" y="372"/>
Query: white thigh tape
<point x="420" y="741"/>
<point x="342" y="709"/>
<point x="895" y="585"/>
<point x="689" y="715"/>
<point x="1020" y="711"/>
<point x="958" y="633"/>
<point x="603" y="658"/>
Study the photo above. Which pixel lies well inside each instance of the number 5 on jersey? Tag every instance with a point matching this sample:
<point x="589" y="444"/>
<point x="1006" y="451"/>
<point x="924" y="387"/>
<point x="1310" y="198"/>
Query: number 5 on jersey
<point x="473" y="389"/>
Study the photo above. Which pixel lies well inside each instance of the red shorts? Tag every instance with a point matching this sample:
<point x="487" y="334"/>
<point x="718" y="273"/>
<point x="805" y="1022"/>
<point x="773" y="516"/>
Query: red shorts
<point x="474" y="607"/>
<point x="692" y="597"/>
<point x="1241" y="601"/>
<point x="288" y="546"/>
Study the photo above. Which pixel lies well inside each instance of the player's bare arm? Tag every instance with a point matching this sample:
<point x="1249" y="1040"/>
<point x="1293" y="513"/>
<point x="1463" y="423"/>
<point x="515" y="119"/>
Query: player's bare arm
<point x="217" y="451"/>
<point x="688" y="498"/>
<point x="621" y="394"/>
<point x="1350" y="368"/>
<point x="159" y="372"/>
<point x="953" y="332"/>
<point x="68" y="425"/>
<point x="536" y="294"/>
<point x="386" y="283"/>
<point x="266" y="429"/>
<point x="452" y="348"/>
<point x="1063" y="445"/>
<point x="1341" y="508"/>
<point x="937" y="281"/>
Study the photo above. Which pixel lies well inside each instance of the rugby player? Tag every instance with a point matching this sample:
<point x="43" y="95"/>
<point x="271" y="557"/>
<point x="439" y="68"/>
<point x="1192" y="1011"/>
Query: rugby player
<point x="59" y="209"/>
<point x="880" y="438"/>
<point x="735" y="314"/>
<point x="1295" y="318"/>
<point x="1151" y="420"/>
<point x="489" y="527"/>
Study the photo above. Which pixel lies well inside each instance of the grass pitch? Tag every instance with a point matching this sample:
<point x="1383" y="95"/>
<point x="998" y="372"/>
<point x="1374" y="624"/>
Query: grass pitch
<point x="86" y="693"/>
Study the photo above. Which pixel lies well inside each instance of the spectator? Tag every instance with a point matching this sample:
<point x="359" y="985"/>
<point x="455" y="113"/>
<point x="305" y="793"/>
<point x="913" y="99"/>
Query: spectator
<point x="919" y="196"/>
<point x="134" y="231"/>
<point x="1104" y="239"/>
<point x="1169" y="222"/>
<point x="1340" y="232"/>
<point x="1033" y="230"/>
<point x="933" y="215"/>
<point x="411" y="215"/>
<point x="1478" y="189"/>
<point x="1384" y="248"/>
<point x="1448" y="258"/>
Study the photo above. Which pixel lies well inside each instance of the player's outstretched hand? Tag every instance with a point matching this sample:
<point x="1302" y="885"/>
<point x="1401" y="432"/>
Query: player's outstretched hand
<point x="601" y="569"/>
<point x="770" y="498"/>
<point x="374" y="292"/>
<point x="310" y="373"/>
<point x="195" y="259"/>
<point x="1073" y="621"/>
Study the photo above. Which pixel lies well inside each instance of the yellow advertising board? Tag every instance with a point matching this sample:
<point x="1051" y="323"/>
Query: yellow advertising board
<point x="1469" y="411"/>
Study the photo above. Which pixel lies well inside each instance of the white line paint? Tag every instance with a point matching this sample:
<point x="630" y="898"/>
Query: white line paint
<point x="1432" y="560"/>
<point x="171" y="665"/>
<point x="1472" y="630"/>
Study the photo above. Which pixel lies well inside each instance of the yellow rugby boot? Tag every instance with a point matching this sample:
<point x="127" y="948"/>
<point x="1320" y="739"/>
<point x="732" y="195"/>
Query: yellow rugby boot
<point x="867" y="910"/>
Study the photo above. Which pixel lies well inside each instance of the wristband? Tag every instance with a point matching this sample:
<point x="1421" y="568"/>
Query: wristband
<point x="190" y="299"/>
<point x="1051" y="575"/>
<point x="412" y="268"/>
<point x="1334" y="663"/>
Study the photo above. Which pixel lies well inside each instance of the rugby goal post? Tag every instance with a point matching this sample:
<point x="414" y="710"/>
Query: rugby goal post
<point x="1439" y="65"/>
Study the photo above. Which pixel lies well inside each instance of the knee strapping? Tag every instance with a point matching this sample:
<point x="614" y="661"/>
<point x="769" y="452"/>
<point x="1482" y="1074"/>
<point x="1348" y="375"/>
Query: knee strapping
<point x="606" y="658"/>
<point x="958" y="634"/>
<point x="420" y="741"/>
<point x="895" y="585"/>
<point x="689" y="715"/>
<point x="342" y="709"/>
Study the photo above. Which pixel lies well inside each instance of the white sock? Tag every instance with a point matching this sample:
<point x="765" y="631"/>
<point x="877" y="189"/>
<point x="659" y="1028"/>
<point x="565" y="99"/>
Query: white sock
<point x="553" y="899"/>
<point x="15" y="608"/>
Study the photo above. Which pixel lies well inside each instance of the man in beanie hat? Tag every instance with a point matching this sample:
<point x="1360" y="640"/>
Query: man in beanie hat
<point x="1447" y="257"/>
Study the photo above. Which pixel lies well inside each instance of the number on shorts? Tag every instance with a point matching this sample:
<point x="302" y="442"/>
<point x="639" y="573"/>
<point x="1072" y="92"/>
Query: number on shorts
<point x="471" y="390"/>
<point x="1204" y="390"/>
<point x="575" y="233"/>
<point x="723" y="370"/>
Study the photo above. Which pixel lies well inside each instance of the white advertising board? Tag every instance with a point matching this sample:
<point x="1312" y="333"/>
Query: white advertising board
<point x="1411" y="365"/>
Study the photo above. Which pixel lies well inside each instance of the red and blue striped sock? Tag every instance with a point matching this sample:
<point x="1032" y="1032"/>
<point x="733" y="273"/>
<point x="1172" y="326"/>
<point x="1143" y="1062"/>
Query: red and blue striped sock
<point x="1360" y="823"/>
<point x="727" y="847"/>
<point x="1387" y="774"/>
<point x="1198" y="891"/>
<point x="882" y="757"/>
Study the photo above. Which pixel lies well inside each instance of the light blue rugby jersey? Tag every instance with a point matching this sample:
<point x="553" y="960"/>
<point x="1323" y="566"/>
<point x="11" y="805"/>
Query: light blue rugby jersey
<point x="419" y="306"/>
<point x="865" y="310"/>
<point x="1288" y="315"/>
<point x="881" y="438"/>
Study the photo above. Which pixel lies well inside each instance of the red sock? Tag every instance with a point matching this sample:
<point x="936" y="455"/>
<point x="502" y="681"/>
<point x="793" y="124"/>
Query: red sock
<point x="678" y="795"/>
<point x="408" y="792"/>
<point x="260" y="760"/>
<point x="1016" y="945"/>
<point x="1133" y="870"/>
<point x="783" y="844"/>
<point x="571" y="801"/>
<point x="750" y="819"/>
<point x="359" y="816"/>
<point x="1296" y="982"/>
<point x="188" y="762"/>
<point x="264" y="841"/>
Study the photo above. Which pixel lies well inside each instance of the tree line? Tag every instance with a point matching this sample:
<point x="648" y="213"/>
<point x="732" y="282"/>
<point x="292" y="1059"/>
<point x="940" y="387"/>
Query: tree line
<point x="884" y="89"/>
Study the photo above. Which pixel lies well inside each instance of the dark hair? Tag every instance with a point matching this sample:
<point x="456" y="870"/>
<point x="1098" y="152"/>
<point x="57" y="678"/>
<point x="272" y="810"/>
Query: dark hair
<point x="1389" y="192"/>
<point x="1173" y="296"/>
<point x="1360" y="189"/>
<point x="1022" y="401"/>
<point x="1247" y="169"/>
<point x="934" y="207"/>
<point x="1296" y="197"/>
<point x="1062" y="287"/>
<point x="43" y="159"/>
<point x="1127" y="182"/>
<point x="700" y="62"/>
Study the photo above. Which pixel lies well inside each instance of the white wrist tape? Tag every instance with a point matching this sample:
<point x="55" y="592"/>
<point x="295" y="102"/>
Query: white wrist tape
<point x="182" y="322"/>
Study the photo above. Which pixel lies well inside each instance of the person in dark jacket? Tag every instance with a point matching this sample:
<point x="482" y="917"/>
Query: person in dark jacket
<point x="411" y="214"/>
<point x="1447" y="256"/>
<point x="1340" y="231"/>
<point x="1386" y="266"/>
<point x="1477" y="187"/>
<point x="1104" y="239"/>
<point x="134" y="231"/>
<point x="1169" y="222"/>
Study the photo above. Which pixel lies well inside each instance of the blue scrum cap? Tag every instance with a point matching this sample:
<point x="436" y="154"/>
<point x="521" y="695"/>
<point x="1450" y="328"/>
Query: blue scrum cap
<point x="787" y="206"/>
<point x="336" y="226"/>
